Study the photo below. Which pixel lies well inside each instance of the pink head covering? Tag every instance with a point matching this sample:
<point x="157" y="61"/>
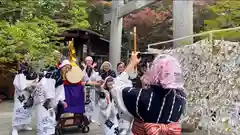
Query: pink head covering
<point x="165" y="72"/>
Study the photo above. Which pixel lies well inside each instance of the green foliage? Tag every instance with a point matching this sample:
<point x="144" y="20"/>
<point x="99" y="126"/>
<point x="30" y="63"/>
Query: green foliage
<point x="27" y="38"/>
<point x="96" y="13"/>
<point x="28" y="28"/>
<point x="78" y="14"/>
<point x="224" y="14"/>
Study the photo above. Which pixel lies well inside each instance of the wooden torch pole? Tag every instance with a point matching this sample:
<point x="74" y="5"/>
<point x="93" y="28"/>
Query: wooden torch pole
<point x="134" y="40"/>
<point x="135" y="43"/>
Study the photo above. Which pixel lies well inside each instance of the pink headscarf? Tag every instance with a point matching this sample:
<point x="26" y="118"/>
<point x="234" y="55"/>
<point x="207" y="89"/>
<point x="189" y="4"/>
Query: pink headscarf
<point x="165" y="72"/>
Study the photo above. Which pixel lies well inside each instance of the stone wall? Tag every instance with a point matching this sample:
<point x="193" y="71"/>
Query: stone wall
<point x="212" y="82"/>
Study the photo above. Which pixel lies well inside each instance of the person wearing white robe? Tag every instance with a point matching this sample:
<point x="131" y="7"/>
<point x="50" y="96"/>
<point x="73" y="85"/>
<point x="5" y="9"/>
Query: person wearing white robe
<point x="108" y="110"/>
<point x="22" y="116"/>
<point x="120" y="68"/>
<point x="91" y="78"/>
<point x="124" y="121"/>
<point x="49" y="93"/>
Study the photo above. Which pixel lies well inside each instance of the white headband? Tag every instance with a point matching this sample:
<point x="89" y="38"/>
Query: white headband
<point x="64" y="63"/>
<point x="88" y="58"/>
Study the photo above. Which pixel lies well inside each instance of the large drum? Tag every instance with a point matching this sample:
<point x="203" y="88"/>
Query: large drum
<point x="74" y="93"/>
<point x="75" y="75"/>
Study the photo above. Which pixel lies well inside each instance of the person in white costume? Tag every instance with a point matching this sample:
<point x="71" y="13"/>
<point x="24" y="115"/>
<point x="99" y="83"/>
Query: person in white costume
<point x="108" y="110"/>
<point x="48" y="95"/>
<point x="92" y="79"/>
<point x="124" y="120"/>
<point x="24" y="82"/>
<point x="120" y="68"/>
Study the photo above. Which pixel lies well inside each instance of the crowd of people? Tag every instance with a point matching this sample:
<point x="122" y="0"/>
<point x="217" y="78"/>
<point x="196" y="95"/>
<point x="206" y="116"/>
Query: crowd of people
<point x="154" y="108"/>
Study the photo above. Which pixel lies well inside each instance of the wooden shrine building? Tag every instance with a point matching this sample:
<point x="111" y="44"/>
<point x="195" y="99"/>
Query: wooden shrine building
<point x="87" y="43"/>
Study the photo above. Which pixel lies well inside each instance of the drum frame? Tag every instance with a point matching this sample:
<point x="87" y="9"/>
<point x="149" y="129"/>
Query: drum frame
<point x="79" y="120"/>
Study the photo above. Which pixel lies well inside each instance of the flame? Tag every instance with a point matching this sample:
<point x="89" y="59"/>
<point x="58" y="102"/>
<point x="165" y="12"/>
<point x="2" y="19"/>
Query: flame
<point x="72" y="53"/>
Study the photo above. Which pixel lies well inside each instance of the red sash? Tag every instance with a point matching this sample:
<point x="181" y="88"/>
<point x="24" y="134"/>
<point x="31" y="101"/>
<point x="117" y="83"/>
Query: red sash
<point x="163" y="129"/>
<point x="65" y="82"/>
<point x="141" y="128"/>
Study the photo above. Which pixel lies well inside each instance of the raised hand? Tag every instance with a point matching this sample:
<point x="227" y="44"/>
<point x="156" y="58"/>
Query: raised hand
<point x="134" y="59"/>
<point x="94" y="65"/>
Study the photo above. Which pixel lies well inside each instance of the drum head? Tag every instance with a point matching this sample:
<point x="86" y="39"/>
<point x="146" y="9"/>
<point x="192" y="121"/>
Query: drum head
<point x="75" y="75"/>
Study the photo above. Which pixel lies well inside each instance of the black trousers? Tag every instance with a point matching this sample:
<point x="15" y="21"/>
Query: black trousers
<point x="60" y="110"/>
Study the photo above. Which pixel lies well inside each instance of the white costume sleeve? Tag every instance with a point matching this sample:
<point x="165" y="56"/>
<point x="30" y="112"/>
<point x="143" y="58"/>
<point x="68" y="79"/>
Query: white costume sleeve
<point x="49" y="88"/>
<point x="121" y="82"/>
<point x="105" y="107"/>
<point x="85" y="78"/>
<point x="103" y="103"/>
<point x="45" y="90"/>
<point x="20" y="81"/>
<point x="97" y="76"/>
<point x="60" y="93"/>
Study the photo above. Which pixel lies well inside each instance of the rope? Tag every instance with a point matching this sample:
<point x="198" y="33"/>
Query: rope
<point x="195" y="35"/>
